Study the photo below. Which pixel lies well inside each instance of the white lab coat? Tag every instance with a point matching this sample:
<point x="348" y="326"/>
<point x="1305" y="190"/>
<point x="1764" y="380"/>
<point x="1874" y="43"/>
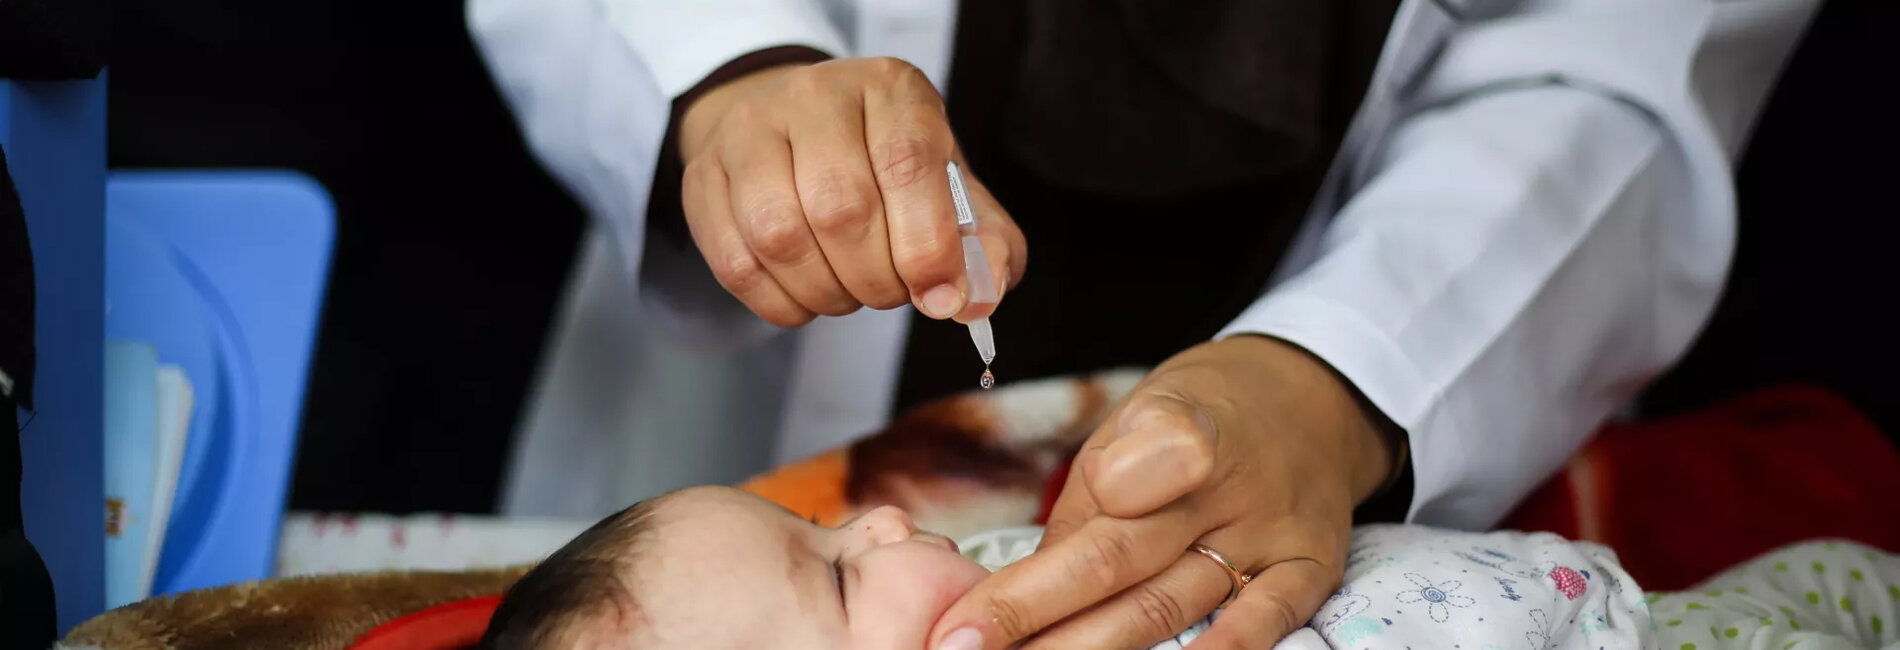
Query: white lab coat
<point x="1532" y="213"/>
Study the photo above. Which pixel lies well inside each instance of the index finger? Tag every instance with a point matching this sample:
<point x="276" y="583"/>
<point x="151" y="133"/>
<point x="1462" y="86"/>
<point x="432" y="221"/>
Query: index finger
<point x="907" y="136"/>
<point x="1096" y="562"/>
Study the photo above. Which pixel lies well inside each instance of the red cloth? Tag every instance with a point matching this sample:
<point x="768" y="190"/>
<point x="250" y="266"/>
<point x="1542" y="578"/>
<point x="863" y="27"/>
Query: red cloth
<point x="450" y="626"/>
<point x="1685" y="498"/>
<point x="1050" y="491"/>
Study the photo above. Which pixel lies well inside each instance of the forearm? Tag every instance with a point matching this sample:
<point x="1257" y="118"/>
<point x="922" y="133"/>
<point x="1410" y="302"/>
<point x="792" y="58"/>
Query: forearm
<point x="1536" y="242"/>
<point x="1471" y="314"/>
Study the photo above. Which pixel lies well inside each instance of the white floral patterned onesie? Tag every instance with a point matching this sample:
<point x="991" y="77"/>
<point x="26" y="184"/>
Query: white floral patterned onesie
<point x="1428" y="589"/>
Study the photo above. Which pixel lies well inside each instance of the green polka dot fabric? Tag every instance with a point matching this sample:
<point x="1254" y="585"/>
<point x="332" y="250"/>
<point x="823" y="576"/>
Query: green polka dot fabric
<point x="1815" y="596"/>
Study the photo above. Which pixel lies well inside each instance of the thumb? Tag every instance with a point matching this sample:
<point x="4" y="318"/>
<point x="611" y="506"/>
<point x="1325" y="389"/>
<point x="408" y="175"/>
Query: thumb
<point x="1074" y="505"/>
<point x="1162" y="450"/>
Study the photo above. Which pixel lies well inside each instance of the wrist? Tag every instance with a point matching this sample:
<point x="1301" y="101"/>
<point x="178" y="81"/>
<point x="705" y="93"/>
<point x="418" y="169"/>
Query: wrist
<point x="1372" y="448"/>
<point x="1379" y="449"/>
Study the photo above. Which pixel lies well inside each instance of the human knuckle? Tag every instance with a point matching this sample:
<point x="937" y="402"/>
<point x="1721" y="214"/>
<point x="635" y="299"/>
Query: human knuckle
<point x="807" y="82"/>
<point x="908" y="85"/>
<point x="738" y="272"/>
<point x="1280" y="612"/>
<point x="924" y="256"/>
<point x="745" y="114"/>
<point x="1158" y="613"/>
<point x="787" y="318"/>
<point x="777" y="232"/>
<point x="838" y="205"/>
<point x="885" y="295"/>
<point x="693" y="177"/>
<point x="1011" y="617"/>
<point x="1105" y="556"/>
<point x="1060" y="528"/>
<point x="902" y="159"/>
<point x="892" y="68"/>
<point x="836" y="305"/>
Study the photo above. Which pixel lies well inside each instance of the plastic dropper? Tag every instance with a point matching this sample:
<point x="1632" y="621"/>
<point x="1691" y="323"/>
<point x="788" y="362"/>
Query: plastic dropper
<point x="976" y="266"/>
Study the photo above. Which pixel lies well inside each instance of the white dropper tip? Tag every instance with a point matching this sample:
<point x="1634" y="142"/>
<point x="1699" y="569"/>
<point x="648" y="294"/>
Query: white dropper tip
<point x="984" y="338"/>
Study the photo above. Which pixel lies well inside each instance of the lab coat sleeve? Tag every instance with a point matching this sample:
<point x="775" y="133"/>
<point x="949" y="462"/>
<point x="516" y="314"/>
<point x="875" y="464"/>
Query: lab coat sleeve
<point x="1547" y="228"/>
<point x="590" y="83"/>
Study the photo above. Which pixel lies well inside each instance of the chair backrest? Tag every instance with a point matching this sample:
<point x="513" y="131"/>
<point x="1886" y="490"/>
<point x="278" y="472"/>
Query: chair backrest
<point x="54" y="134"/>
<point x="223" y="271"/>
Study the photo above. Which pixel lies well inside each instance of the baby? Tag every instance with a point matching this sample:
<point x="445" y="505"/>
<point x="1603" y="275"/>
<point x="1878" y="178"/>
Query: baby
<point x="715" y="567"/>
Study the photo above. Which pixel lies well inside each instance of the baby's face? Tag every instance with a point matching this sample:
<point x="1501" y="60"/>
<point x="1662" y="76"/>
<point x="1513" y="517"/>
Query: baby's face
<point x="730" y="570"/>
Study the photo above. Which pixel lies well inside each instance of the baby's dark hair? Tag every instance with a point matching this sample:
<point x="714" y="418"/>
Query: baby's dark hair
<point x="581" y="579"/>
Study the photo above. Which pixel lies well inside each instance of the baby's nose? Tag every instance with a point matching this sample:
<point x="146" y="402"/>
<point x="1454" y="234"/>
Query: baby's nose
<point x="888" y="524"/>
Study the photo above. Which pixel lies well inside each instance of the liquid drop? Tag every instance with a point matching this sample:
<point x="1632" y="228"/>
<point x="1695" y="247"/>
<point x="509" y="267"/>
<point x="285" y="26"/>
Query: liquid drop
<point x="987" y="380"/>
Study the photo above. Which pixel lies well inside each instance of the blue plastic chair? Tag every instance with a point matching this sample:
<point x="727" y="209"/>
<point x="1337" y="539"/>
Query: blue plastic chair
<point x="224" y="273"/>
<point x="55" y="137"/>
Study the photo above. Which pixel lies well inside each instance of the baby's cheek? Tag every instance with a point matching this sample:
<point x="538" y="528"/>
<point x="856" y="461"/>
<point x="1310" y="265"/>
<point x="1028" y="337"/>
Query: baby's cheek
<point x="950" y="576"/>
<point x="962" y="576"/>
<point x="905" y="590"/>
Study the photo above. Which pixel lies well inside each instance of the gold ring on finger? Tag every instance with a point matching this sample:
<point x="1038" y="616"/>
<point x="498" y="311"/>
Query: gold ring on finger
<point x="1235" y="576"/>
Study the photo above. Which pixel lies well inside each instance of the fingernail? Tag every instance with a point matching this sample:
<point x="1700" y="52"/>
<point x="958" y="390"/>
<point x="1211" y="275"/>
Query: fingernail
<point x="1135" y="420"/>
<point x="1206" y="428"/>
<point x="962" y="639"/>
<point x="1141" y="419"/>
<point x="942" y="301"/>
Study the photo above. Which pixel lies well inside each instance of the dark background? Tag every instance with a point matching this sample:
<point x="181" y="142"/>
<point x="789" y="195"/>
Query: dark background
<point x="1815" y="292"/>
<point x="453" y="245"/>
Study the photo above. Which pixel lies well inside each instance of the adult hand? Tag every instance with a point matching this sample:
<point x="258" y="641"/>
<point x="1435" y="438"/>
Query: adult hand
<point x="819" y="189"/>
<point x="1248" y="446"/>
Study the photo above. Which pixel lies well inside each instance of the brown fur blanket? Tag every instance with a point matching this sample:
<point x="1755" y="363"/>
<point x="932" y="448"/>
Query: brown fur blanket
<point x="301" y="613"/>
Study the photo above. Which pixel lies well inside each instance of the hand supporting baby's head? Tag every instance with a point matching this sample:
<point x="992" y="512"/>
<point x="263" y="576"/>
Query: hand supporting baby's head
<point x="718" y="567"/>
